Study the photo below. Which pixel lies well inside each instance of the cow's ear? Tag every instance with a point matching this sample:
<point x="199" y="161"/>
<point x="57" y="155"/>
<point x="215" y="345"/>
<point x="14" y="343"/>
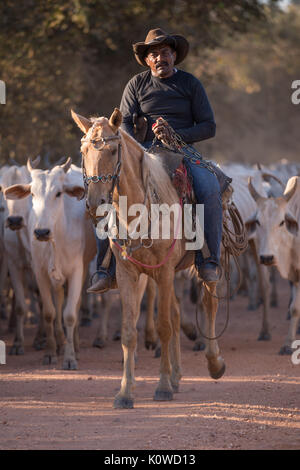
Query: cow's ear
<point x="74" y="191"/>
<point x="291" y="223"/>
<point x="17" y="191"/>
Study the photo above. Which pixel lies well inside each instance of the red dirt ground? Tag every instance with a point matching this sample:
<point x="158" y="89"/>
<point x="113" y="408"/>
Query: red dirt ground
<point x="256" y="405"/>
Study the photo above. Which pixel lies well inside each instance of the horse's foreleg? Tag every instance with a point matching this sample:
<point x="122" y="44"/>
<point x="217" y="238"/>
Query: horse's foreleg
<point x="129" y="297"/>
<point x="216" y="364"/>
<point x="175" y="344"/>
<point x="164" y="390"/>
<point x="150" y="329"/>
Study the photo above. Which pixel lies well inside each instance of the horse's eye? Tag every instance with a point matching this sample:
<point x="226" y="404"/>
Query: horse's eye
<point x="281" y="223"/>
<point x="257" y="222"/>
<point x="58" y="194"/>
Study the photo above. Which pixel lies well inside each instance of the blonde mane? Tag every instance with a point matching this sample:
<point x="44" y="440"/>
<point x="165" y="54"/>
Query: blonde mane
<point x="154" y="175"/>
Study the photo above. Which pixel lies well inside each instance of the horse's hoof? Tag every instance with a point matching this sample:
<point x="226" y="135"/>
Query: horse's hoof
<point x="99" y="343"/>
<point x="85" y="322"/>
<point x="264" y="336"/>
<point x="149" y="344"/>
<point x="157" y="352"/>
<point x="251" y="307"/>
<point x="286" y="351"/>
<point x="70" y="364"/>
<point x="123" y="403"/>
<point x="117" y="336"/>
<point x="16" y="351"/>
<point x="175" y="387"/>
<point x="199" y="346"/>
<point x="191" y="333"/>
<point x="39" y="344"/>
<point x="49" y="360"/>
<point x="163" y="395"/>
<point x="216" y="374"/>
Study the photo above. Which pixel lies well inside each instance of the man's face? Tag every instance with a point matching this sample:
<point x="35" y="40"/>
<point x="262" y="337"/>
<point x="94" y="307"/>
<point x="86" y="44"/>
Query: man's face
<point x="161" y="60"/>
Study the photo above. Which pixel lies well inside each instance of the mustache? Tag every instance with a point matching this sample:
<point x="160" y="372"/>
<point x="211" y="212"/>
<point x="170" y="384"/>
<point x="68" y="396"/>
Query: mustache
<point x="160" y="64"/>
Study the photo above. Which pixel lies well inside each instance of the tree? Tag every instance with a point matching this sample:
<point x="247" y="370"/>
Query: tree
<point x="58" y="54"/>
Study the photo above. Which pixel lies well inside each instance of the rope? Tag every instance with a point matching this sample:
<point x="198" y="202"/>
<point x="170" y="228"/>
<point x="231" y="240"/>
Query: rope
<point x="234" y="242"/>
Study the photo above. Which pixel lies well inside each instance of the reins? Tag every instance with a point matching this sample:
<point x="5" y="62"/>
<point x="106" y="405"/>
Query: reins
<point x="149" y="266"/>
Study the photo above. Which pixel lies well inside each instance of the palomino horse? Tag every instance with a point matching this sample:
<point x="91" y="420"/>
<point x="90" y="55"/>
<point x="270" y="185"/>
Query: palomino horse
<point x="115" y="165"/>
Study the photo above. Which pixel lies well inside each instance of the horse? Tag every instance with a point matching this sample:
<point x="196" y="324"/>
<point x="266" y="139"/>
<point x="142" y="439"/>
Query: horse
<point x="114" y="165"/>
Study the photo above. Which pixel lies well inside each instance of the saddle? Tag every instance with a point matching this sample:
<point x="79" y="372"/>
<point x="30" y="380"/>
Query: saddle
<point x="172" y="156"/>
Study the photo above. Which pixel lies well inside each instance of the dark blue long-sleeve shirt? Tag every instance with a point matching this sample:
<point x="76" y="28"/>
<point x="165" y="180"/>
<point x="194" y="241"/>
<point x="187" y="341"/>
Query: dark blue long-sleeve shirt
<point x="180" y="99"/>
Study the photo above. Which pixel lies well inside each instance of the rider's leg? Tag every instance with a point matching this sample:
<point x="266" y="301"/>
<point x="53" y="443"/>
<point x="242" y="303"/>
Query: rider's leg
<point x="105" y="276"/>
<point x="207" y="191"/>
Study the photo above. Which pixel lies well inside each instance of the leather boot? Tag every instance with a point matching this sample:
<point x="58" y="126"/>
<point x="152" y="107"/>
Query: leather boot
<point x="209" y="272"/>
<point x="104" y="282"/>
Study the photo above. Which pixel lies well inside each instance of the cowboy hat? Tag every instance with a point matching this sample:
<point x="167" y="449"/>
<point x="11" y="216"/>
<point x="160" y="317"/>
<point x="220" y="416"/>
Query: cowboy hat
<point x="158" y="36"/>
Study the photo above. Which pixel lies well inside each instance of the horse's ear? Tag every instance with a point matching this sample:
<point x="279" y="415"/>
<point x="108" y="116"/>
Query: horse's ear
<point x="83" y="123"/>
<point x="115" y="119"/>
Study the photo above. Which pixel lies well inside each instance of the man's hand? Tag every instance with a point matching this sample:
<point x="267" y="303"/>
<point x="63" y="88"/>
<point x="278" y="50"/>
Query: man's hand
<point x="162" y="130"/>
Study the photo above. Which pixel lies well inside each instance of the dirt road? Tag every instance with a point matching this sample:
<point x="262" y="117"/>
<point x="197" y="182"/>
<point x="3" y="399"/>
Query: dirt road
<point x="256" y="405"/>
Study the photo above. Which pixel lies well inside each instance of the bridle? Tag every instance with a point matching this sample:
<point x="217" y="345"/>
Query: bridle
<point x="108" y="178"/>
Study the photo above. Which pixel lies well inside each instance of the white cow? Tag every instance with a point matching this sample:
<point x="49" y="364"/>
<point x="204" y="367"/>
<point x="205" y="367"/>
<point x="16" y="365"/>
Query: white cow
<point x="17" y="251"/>
<point x="256" y="276"/>
<point x="62" y="245"/>
<point x="277" y="221"/>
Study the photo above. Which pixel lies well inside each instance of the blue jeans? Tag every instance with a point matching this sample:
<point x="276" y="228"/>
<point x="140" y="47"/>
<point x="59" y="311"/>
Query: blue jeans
<point x="102" y="247"/>
<point x="207" y="191"/>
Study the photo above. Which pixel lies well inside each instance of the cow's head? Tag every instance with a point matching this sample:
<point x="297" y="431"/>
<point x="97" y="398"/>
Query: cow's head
<point x="16" y="211"/>
<point x="47" y="188"/>
<point x="273" y="223"/>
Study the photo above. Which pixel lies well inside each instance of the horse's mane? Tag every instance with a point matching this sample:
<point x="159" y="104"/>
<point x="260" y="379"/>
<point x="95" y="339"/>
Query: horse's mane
<point x="154" y="175"/>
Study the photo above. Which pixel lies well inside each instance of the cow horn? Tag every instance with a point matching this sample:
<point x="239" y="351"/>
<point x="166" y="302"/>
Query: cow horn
<point x="268" y="176"/>
<point x="67" y="165"/>
<point x="252" y="190"/>
<point x="33" y="164"/>
<point x="290" y="188"/>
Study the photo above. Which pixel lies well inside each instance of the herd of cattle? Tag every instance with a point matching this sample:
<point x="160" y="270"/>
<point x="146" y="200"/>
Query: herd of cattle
<point x="48" y="249"/>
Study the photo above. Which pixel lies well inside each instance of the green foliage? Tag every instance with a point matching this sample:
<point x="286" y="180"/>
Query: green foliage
<point x="58" y="54"/>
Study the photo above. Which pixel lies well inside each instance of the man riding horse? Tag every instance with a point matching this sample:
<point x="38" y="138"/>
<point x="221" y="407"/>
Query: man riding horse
<point x="180" y="99"/>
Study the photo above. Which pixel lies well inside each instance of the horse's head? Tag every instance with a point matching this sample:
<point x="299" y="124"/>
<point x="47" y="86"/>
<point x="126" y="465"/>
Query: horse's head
<point x="101" y="153"/>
